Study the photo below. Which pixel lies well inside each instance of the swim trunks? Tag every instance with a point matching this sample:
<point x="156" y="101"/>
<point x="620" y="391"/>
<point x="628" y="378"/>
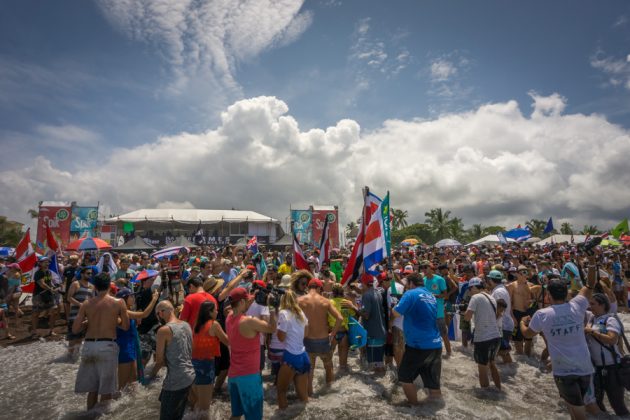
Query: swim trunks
<point x="98" y="371"/>
<point x="246" y="396"/>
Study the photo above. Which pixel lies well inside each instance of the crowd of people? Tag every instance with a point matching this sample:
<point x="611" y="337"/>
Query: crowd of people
<point x="219" y="314"/>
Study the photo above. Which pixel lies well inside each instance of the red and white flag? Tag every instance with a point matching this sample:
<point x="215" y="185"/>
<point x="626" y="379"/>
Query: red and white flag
<point x="324" y="245"/>
<point x="24" y="247"/>
<point x="298" y="255"/>
<point x="27" y="260"/>
<point x="51" y="242"/>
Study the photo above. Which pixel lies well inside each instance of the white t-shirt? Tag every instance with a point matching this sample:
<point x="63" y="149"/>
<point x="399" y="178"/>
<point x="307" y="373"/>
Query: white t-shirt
<point x="294" y="329"/>
<point x="602" y="324"/>
<point x="563" y="326"/>
<point x="500" y="292"/>
<point x="484" y="318"/>
<point x="392" y="301"/>
<point x="258" y="311"/>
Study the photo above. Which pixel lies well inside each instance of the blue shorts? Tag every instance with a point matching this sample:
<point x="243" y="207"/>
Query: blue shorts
<point x="340" y="335"/>
<point x="375" y="351"/>
<point x="204" y="371"/>
<point x="246" y="396"/>
<point x="300" y="363"/>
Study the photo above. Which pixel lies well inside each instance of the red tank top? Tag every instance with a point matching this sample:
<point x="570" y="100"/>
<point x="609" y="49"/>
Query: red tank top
<point x="205" y="347"/>
<point x="244" y="352"/>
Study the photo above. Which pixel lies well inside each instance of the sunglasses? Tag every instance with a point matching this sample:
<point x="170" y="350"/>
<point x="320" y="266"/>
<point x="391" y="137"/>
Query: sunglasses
<point x="524" y="272"/>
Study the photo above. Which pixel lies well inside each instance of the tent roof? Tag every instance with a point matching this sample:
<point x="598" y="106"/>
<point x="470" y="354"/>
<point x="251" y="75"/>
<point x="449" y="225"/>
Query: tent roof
<point x="182" y="241"/>
<point x="489" y="239"/>
<point x="135" y="244"/>
<point x="191" y="216"/>
<point x="286" y="240"/>
<point x="558" y="239"/>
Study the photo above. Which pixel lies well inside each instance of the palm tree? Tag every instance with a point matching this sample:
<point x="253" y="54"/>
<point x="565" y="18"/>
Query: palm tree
<point x="590" y="230"/>
<point x="566" y="228"/>
<point x="476" y="232"/>
<point x="439" y="222"/>
<point x="352" y="230"/>
<point x="399" y="219"/>
<point x="457" y="228"/>
<point x="536" y="227"/>
<point x="33" y="213"/>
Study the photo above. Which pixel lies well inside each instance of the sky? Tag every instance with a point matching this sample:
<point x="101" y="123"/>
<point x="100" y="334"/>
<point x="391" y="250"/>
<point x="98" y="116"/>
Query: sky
<point x="498" y="111"/>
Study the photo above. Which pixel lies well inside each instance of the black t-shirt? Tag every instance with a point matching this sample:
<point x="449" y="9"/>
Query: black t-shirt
<point x="47" y="279"/>
<point x="143" y="299"/>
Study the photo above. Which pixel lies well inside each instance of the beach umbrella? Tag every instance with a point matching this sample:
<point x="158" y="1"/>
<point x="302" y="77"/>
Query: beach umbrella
<point x="88" y="244"/>
<point x="143" y="275"/>
<point x="172" y="250"/>
<point x="447" y="242"/>
<point x="410" y="242"/>
<point x="625" y="239"/>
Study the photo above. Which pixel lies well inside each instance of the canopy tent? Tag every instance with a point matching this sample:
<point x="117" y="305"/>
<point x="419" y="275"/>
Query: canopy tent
<point x="136" y="244"/>
<point x="410" y="242"/>
<point x="182" y="241"/>
<point x="447" y="242"/>
<point x="281" y="243"/>
<point x="559" y="239"/>
<point x="489" y="240"/>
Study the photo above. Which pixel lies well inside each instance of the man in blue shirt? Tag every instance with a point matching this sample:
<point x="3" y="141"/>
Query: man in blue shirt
<point x="423" y="349"/>
<point x="437" y="285"/>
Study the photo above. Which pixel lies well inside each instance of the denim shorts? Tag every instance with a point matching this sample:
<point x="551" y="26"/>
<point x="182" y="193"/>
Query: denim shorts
<point x="204" y="371"/>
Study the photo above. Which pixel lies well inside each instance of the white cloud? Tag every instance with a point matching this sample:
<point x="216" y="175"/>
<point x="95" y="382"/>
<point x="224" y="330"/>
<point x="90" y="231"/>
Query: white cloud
<point x="617" y="70"/>
<point x="175" y="205"/>
<point x="208" y="37"/>
<point x="442" y="70"/>
<point x="68" y="133"/>
<point x="488" y="164"/>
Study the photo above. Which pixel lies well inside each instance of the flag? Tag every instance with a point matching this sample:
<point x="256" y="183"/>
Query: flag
<point x="502" y="238"/>
<point x="324" y="244"/>
<point x="51" y="241"/>
<point x="620" y="229"/>
<point x="387" y="225"/>
<point x="54" y="269"/>
<point x="518" y="234"/>
<point x="298" y="255"/>
<point x="24" y="247"/>
<point x="28" y="265"/>
<point x="252" y="245"/>
<point x="374" y="248"/>
<point x="355" y="266"/>
<point x="549" y="227"/>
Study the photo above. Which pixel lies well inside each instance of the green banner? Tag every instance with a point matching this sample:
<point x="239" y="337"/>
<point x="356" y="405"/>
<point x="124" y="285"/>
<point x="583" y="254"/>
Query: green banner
<point x="128" y="227"/>
<point x="387" y="224"/>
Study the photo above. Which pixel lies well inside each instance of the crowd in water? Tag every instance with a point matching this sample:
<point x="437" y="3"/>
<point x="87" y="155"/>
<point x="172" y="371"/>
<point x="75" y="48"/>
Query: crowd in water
<point x="214" y="319"/>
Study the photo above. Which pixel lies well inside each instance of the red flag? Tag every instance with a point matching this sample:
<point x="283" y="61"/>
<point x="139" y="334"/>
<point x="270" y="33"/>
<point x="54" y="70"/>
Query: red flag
<point x="51" y="241"/>
<point x="28" y="265"/>
<point x="324" y="245"/>
<point x="24" y="247"/>
<point x="298" y="255"/>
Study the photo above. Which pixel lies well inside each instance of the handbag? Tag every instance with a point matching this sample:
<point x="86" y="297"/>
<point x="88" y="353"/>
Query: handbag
<point x="624" y="361"/>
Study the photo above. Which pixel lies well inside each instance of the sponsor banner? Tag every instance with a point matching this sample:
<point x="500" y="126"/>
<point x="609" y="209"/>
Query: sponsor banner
<point x="302" y="226"/>
<point x="84" y="221"/>
<point x="163" y="239"/>
<point x="319" y="219"/>
<point x="108" y="234"/>
<point x="58" y="220"/>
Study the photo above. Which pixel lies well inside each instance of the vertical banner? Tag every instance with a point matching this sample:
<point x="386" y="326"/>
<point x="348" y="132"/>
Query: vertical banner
<point x="84" y="221"/>
<point x="387" y="224"/>
<point x="302" y="226"/>
<point x="319" y="219"/>
<point x="57" y="218"/>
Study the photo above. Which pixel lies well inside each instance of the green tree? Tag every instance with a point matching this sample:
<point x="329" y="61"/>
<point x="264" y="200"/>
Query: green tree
<point x="10" y="232"/>
<point x="477" y="231"/>
<point x="590" y="230"/>
<point x="439" y="222"/>
<point x="456" y="229"/>
<point x="536" y="227"/>
<point x="352" y="230"/>
<point x="418" y="231"/>
<point x="493" y="230"/>
<point x="399" y="219"/>
<point x="566" y="228"/>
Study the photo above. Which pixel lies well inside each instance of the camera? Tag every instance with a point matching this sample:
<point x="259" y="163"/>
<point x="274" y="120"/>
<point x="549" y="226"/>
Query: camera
<point x="462" y="307"/>
<point x="261" y="297"/>
<point x="589" y="246"/>
<point x="249" y="276"/>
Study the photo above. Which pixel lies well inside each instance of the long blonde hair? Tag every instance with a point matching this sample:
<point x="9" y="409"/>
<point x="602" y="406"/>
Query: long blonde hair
<point x="289" y="302"/>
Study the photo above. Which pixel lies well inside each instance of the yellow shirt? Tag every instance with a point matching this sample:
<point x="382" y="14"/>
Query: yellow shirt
<point x="345" y="313"/>
<point x="285" y="269"/>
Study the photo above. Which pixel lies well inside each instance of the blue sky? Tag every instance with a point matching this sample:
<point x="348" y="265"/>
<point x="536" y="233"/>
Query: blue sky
<point x="80" y="79"/>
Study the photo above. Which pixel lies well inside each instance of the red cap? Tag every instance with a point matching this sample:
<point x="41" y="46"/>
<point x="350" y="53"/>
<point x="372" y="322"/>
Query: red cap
<point x="113" y="288"/>
<point x="259" y="283"/>
<point x="315" y="282"/>
<point x="239" y="294"/>
<point x="382" y="276"/>
<point x="367" y="278"/>
<point x="251" y="267"/>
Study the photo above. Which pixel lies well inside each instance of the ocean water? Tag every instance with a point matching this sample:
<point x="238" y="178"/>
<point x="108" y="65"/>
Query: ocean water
<point x="37" y="383"/>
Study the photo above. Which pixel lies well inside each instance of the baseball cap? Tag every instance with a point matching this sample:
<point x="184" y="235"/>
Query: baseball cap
<point x="251" y="267"/>
<point x="259" y="283"/>
<point x="239" y="294"/>
<point x="408" y="269"/>
<point x="495" y="275"/>
<point x="123" y="293"/>
<point x="382" y="276"/>
<point x="315" y="282"/>
<point x="476" y="282"/>
<point x="113" y="288"/>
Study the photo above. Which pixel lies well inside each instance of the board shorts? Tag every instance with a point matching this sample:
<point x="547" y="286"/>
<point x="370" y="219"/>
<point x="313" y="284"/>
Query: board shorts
<point x="486" y="351"/>
<point x="505" y="340"/>
<point x="148" y="343"/>
<point x="573" y="388"/>
<point x="98" y="371"/>
<point x="300" y="363"/>
<point x="518" y="335"/>
<point x="41" y="304"/>
<point x="340" y="335"/>
<point x="375" y="350"/>
<point x="319" y="347"/>
<point x="173" y="403"/>
<point x="426" y="363"/>
<point x="246" y="396"/>
<point x="204" y="371"/>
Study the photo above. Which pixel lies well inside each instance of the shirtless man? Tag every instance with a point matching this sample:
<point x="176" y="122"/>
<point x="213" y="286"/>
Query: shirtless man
<point x="522" y="297"/>
<point x="328" y="278"/>
<point x="318" y="338"/>
<point x="99" y="358"/>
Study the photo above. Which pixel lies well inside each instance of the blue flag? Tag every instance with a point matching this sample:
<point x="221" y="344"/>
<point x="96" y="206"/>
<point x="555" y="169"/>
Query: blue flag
<point x="518" y="234"/>
<point x="549" y="227"/>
